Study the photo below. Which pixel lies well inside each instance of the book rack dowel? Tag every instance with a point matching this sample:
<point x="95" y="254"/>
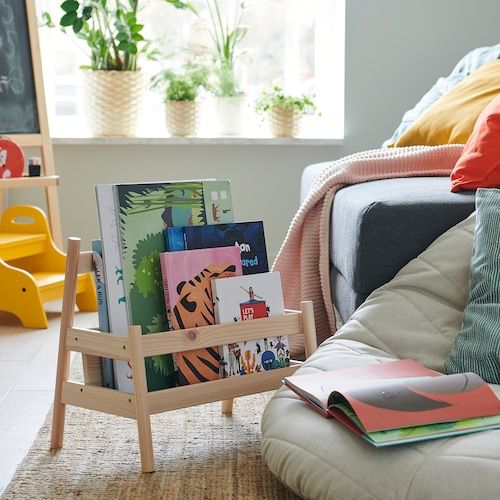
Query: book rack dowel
<point x="135" y="347"/>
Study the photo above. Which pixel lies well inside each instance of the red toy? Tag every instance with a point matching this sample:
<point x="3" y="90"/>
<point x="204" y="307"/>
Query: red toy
<point x="11" y="159"/>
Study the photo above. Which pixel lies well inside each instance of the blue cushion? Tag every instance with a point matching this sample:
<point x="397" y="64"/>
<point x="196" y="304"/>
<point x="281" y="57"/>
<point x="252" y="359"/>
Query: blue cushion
<point x="477" y="347"/>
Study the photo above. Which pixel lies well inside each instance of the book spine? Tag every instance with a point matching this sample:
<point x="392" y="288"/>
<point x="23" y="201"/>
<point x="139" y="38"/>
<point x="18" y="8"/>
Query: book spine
<point x="108" y="378"/>
<point x="113" y="275"/>
<point x="176" y="239"/>
<point x="163" y="266"/>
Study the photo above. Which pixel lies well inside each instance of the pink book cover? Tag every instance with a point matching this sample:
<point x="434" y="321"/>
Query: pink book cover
<point x="187" y="275"/>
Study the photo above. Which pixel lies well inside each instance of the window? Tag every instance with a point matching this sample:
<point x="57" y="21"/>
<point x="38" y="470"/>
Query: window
<point x="298" y="44"/>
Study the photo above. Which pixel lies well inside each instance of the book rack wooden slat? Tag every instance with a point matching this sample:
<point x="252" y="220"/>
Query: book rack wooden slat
<point x="135" y="347"/>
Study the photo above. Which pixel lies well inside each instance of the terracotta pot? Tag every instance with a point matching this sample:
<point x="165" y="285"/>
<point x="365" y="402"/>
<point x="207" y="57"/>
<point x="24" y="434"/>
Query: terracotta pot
<point x="182" y="117"/>
<point x="112" y="101"/>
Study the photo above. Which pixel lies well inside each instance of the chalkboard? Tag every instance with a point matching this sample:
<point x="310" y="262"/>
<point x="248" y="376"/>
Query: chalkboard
<point x="18" y="105"/>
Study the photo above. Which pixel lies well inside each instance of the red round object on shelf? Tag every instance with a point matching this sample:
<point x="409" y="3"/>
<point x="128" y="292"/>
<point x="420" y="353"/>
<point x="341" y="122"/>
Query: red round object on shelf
<point x="11" y="159"/>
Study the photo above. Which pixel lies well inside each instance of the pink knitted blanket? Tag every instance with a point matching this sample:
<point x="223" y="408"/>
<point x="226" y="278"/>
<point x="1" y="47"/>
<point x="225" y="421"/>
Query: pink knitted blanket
<point x="303" y="259"/>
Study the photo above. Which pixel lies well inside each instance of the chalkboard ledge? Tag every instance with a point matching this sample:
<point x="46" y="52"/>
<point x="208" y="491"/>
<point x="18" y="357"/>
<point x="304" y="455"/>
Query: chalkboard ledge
<point x="25" y="181"/>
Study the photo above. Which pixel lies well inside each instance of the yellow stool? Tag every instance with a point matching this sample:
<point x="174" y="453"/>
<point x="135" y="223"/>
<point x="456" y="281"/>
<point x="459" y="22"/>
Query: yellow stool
<point x="32" y="268"/>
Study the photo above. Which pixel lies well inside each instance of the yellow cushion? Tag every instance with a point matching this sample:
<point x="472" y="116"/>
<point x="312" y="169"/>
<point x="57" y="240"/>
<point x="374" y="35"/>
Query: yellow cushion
<point x="451" y="118"/>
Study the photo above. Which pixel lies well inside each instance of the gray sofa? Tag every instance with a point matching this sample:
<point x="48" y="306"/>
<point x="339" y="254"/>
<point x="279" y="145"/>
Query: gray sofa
<point x="380" y="226"/>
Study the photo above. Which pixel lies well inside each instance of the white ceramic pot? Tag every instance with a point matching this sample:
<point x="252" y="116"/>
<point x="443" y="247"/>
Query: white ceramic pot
<point x="112" y="101"/>
<point x="229" y="115"/>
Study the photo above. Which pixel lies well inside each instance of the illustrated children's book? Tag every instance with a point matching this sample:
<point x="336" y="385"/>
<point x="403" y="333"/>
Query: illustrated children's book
<point x="400" y="401"/>
<point x="132" y="219"/>
<point x="242" y="299"/>
<point x="102" y="310"/>
<point x="187" y="276"/>
<point x="248" y="236"/>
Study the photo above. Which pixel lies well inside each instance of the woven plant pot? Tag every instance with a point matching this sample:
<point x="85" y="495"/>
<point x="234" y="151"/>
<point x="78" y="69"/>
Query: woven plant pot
<point x="284" y="122"/>
<point x="182" y="117"/>
<point x="112" y="101"/>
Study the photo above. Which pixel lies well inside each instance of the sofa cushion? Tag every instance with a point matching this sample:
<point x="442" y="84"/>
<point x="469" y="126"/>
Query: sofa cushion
<point x="451" y="118"/>
<point x="477" y="347"/>
<point x="379" y="226"/>
<point x="479" y="164"/>
<point x="416" y="315"/>
<point x="470" y="62"/>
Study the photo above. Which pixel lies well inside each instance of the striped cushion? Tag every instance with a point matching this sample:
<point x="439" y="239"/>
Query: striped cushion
<point x="477" y="347"/>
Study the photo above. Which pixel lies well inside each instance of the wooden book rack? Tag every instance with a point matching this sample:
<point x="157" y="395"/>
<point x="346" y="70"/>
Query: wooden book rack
<point x="135" y="347"/>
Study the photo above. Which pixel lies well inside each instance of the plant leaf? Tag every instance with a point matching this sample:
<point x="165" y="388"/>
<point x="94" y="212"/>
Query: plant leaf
<point x="70" y="6"/>
<point x="78" y="25"/>
<point x="68" y="19"/>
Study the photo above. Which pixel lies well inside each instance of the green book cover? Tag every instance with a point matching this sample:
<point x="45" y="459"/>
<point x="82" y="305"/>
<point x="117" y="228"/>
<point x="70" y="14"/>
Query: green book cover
<point x="145" y="211"/>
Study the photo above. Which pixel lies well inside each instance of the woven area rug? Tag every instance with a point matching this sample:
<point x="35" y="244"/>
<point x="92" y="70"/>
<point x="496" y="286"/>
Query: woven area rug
<point x="199" y="454"/>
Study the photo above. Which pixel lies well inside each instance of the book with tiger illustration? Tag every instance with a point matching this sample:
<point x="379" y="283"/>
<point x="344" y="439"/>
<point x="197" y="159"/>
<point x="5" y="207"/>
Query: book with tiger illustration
<point x="187" y="275"/>
<point x="133" y="230"/>
<point x="245" y="298"/>
<point x="248" y="236"/>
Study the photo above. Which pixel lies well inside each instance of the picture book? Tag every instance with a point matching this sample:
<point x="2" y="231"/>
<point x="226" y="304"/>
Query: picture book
<point x="145" y="210"/>
<point x="113" y="276"/>
<point x="244" y="298"/>
<point x="187" y="275"/>
<point x="102" y="310"/>
<point x="248" y="236"/>
<point x="400" y="401"/>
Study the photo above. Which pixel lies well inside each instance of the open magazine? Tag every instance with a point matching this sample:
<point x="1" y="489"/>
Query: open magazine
<point x="400" y="401"/>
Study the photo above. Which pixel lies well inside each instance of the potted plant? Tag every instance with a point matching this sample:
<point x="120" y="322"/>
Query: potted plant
<point x="284" y="111"/>
<point x="180" y="91"/>
<point x="225" y="37"/>
<point x="113" y="82"/>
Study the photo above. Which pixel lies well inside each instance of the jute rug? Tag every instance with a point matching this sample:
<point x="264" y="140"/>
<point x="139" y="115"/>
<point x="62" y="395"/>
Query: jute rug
<point x="199" y="454"/>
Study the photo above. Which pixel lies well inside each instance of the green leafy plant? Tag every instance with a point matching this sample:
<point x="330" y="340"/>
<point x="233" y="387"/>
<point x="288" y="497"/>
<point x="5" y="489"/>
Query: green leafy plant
<point x="110" y="30"/>
<point x="276" y="98"/>
<point x="225" y="37"/>
<point x="182" y="85"/>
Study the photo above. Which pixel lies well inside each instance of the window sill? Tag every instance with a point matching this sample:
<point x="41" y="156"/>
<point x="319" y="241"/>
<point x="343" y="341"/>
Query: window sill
<point x="314" y="132"/>
<point x="194" y="141"/>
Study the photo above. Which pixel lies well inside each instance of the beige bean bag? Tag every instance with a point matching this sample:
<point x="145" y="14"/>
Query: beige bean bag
<point x="416" y="315"/>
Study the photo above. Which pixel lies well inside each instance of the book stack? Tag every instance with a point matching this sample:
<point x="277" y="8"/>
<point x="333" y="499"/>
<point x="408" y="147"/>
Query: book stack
<point x="167" y="247"/>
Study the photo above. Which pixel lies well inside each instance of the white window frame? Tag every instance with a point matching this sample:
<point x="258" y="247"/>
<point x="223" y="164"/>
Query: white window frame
<point x="329" y="79"/>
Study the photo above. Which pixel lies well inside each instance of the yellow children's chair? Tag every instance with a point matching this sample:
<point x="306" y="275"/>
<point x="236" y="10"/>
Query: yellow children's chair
<point x="32" y="268"/>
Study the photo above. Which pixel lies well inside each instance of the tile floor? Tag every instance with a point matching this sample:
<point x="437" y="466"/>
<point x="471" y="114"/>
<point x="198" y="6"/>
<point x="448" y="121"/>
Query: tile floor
<point x="27" y="374"/>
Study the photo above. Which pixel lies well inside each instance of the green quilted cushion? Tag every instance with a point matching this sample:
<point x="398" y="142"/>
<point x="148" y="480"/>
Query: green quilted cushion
<point x="477" y="346"/>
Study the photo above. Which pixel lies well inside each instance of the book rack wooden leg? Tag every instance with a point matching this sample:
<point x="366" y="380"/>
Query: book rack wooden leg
<point x="136" y="347"/>
<point x="141" y="399"/>
<point x="63" y="358"/>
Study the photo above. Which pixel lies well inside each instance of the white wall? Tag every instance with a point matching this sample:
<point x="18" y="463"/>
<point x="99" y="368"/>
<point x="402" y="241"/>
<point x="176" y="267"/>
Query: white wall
<point x="395" y="50"/>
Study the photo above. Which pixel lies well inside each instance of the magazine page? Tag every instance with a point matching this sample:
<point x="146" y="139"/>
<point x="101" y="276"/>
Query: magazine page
<point x="417" y="433"/>
<point x="317" y="387"/>
<point x="407" y="402"/>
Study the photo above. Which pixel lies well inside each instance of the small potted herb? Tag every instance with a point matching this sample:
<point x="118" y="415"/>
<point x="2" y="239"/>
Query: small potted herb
<point x="180" y="92"/>
<point x="284" y="111"/>
<point x="226" y="33"/>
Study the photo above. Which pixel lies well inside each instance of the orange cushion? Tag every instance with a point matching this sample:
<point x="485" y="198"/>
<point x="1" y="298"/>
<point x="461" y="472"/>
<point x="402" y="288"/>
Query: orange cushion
<point x="479" y="165"/>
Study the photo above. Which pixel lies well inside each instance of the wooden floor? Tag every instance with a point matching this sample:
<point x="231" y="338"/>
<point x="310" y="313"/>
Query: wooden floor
<point x="27" y="374"/>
